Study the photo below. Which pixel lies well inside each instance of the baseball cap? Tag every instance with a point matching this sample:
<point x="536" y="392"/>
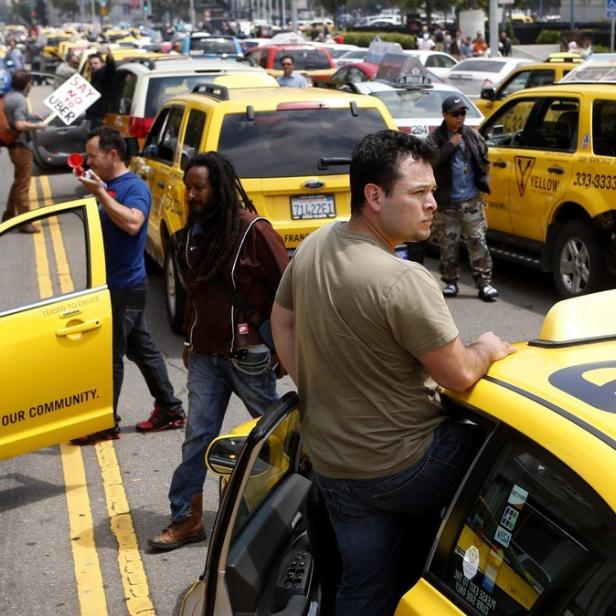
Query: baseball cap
<point x="453" y="103"/>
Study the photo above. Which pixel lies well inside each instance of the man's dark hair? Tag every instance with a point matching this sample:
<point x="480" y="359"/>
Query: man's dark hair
<point x="287" y="57"/>
<point x="96" y="55"/>
<point x="222" y="231"/>
<point x="376" y="161"/>
<point x="20" y="80"/>
<point x="109" y="139"/>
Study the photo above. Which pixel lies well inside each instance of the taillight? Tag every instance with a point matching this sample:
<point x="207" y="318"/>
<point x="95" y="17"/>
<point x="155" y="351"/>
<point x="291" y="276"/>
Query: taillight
<point x="301" y="105"/>
<point x="139" y="127"/>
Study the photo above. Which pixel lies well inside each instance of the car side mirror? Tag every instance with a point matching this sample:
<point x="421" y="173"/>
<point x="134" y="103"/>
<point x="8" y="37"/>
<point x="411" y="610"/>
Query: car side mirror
<point x="488" y="93"/>
<point x="223" y="453"/>
<point x="150" y="150"/>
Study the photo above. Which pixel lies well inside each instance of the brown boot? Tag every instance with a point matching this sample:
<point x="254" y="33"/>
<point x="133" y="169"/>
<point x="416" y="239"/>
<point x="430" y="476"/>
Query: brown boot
<point x="185" y="531"/>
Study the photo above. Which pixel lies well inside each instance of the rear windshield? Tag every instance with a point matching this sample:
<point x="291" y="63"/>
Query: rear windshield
<point x="305" y="59"/>
<point x="212" y="46"/>
<point x="162" y="88"/>
<point x="481" y="66"/>
<point x="420" y="103"/>
<point x="261" y="148"/>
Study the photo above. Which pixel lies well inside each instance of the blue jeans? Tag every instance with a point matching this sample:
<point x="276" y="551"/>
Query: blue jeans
<point x="373" y="520"/>
<point x="132" y="338"/>
<point x="211" y="381"/>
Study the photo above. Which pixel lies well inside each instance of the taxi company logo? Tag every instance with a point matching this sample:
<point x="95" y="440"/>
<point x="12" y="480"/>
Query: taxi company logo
<point x="578" y="381"/>
<point x="523" y="166"/>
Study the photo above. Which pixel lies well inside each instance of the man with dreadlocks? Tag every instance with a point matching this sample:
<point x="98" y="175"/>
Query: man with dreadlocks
<point x="231" y="262"/>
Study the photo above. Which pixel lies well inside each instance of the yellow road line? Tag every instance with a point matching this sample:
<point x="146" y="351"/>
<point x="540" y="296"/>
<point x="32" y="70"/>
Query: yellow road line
<point x="88" y="574"/>
<point x="132" y="572"/>
<point x="134" y="579"/>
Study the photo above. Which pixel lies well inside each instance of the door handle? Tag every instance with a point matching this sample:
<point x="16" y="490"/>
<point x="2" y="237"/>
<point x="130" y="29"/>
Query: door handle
<point x="558" y="170"/>
<point x="160" y="184"/>
<point x="499" y="163"/>
<point x="86" y="326"/>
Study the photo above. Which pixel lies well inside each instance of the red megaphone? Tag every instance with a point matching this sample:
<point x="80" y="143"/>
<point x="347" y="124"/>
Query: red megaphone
<point x="75" y="162"/>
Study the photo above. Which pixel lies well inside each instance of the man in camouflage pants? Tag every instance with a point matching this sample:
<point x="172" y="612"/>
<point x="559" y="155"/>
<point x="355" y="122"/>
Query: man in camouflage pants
<point x="462" y="174"/>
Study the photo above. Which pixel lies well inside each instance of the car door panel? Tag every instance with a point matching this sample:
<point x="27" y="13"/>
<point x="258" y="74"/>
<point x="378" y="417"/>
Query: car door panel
<point x="53" y="145"/>
<point x="55" y="327"/>
<point x="264" y="553"/>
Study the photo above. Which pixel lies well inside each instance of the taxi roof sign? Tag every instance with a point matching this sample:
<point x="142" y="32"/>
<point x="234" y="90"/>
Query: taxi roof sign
<point x="403" y="70"/>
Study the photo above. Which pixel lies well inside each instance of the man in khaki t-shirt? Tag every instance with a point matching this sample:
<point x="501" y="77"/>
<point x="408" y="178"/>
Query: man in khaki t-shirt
<point x="366" y="337"/>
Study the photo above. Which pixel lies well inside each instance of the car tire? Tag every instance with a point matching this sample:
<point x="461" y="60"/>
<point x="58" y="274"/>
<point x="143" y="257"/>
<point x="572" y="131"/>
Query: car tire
<point x="175" y="295"/>
<point x="578" y="264"/>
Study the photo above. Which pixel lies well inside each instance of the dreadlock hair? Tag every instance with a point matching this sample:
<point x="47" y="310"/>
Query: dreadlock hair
<point x="222" y="228"/>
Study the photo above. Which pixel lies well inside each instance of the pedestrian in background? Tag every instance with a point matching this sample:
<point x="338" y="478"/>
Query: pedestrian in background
<point x="20" y="151"/>
<point x="289" y="78"/>
<point x="231" y="261"/>
<point x="66" y="69"/>
<point x="366" y="337"/>
<point x="102" y="75"/>
<point x="466" y="48"/>
<point x="15" y="56"/>
<point x="124" y="200"/>
<point x="504" y="44"/>
<point x="480" y="47"/>
<point x="462" y="174"/>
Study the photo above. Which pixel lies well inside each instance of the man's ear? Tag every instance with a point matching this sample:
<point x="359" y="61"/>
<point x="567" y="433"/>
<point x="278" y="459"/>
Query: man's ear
<point x="373" y="196"/>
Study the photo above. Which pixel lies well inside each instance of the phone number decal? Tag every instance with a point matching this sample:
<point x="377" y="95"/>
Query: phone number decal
<point x="597" y="180"/>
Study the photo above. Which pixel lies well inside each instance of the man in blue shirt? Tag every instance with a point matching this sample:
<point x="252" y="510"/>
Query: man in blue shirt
<point x="124" y="205"/>
<point x="290" y="79"/>
<point x="462" y="174"/>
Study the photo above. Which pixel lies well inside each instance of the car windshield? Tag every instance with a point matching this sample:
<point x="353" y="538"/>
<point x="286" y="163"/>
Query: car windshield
<point x="480" y="66"/>
<point x="259" y="147"/>
<point x="162" y="88"/>
<point x="212" y="46"/>
<point x="420" y="103"/>
<point x="305" y="59"/>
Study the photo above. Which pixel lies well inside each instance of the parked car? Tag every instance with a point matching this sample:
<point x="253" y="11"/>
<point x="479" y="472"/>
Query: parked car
<point x="416" y="107"/>
<point x="530" y="530"/>
<point x="474" y="74"/>
<point x="291" y="148"/>
<point x="312" y="61"/>
<point x="351" y="57"/>
<point x="212" y="45"/>
<point x="552" y="152"/>
<point x="522" y="78"/>
<point x="438" y="62"/>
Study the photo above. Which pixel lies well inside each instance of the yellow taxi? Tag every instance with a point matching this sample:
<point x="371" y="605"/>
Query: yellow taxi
<point x="50" y="56"/>
<point x="521" y="78"/>
<point x="291" y="148"/>
<point x="531" y="529"/>
<point x="58" y="314"/>
<point x="552" y="152"/>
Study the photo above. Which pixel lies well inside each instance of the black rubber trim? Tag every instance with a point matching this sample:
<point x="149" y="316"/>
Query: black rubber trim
<point x="557" y="409"/>
<point x="557" y="344"/>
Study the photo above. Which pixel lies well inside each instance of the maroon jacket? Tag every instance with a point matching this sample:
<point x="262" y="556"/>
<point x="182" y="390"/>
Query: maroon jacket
<point x="211" y="321"/>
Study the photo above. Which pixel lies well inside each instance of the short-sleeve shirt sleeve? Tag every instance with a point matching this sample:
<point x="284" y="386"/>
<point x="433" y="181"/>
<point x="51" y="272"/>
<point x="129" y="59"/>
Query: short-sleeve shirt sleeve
<point x="284" y="294"/>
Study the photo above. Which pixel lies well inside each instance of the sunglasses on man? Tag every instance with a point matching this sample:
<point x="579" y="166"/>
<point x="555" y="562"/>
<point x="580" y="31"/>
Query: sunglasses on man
<point x="457" y="114"/>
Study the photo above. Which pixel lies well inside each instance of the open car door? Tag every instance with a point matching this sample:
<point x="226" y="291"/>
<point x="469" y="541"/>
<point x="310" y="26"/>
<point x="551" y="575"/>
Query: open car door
<point x="259" y="558"/>
<point x="55" y="328"/>
<point x="53" y="145"/>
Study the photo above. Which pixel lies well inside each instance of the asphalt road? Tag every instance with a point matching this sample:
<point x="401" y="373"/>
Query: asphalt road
<point x="37" y="570"/>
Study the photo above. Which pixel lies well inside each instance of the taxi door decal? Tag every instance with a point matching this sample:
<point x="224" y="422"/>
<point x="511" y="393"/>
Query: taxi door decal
<point x="573" y="381"/>
<point x="523" y="166"/>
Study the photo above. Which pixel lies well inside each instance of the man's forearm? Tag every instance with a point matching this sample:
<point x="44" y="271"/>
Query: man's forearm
<point x="126" y="218"/>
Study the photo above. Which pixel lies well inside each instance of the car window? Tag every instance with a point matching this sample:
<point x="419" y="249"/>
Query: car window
<point x="543" y="77"/>
<point x="212" y="46"/>
<point x="271" y="467"/>
<point x="504" y="127"/>
<point x="515" y="83"/>
<point x="604" y="127"/>
<point x="155" y="133"/>
<point x="305" y="59"/>
<point x="259" y="147"/>
<point x="420" y="103"/>
<point x="482" y="66"/>
<point x="192" y="135"/>
<point x="534" y="529"/>
<point x="341" y="76"/>
<point x="127" y="93"/>
<point x="17" y="257"/>
<point x="162" y="140"/>
<point x="162" y="88"/>
<point x="555" y="127"/>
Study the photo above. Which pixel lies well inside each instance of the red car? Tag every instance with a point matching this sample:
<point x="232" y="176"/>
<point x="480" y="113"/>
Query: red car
<point x="311" y="61"/>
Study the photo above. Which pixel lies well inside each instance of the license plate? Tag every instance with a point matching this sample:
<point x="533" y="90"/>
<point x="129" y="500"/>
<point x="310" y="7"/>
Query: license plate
<point x="306" y="207"/>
